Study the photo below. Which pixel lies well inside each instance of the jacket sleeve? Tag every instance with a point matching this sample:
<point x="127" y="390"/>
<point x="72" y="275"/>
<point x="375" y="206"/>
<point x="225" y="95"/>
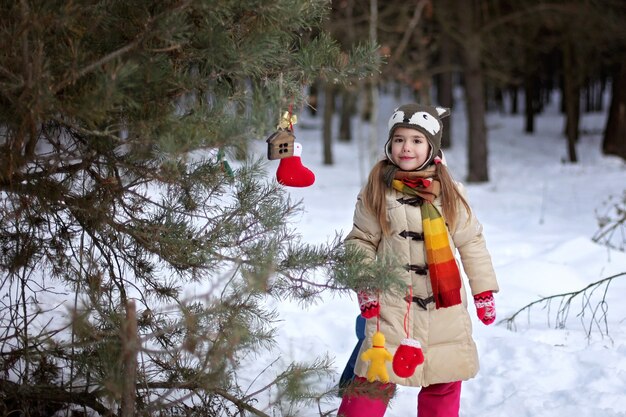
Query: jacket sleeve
<point x="366" y="231"/>
<point x="470" y="242"/>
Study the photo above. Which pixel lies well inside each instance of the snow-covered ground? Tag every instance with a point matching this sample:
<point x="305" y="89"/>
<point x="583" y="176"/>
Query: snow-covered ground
<point x="539" y="214"/>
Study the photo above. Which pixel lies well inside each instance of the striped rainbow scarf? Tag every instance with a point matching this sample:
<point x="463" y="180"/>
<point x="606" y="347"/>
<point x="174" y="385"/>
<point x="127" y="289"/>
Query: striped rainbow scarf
<point x="445" y="278"/>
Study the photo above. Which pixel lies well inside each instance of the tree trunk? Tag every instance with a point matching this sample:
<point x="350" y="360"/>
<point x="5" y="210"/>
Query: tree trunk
<point x="374" y="151"/>
<point x="424" y="81"/>
<point x="348" y="103"/>
<point x="444" y="90"/>
<point x="130" y="347"/>
<point x="594" y="91"/>
<point x="348" y="95"/>
<point x="513" y="91"/>
<point x="530" y="93"/>
<point x="312" y="99"/>
<point x="474" y="97"/>
<point x="614" y="142"/>
<point x="588" y="95"/>
<point x="329" y="95"/>
<point x="600" y="94"/>
<point x="571" y="94"/>
<point x="498" y="99"/>
<point x="366" y="106"/>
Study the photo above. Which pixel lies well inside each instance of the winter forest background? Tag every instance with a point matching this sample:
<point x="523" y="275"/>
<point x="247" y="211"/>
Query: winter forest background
<point x="150" y="264"/>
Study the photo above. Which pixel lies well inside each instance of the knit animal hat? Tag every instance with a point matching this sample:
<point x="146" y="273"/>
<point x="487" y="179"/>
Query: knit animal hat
<point x="426" y="119"/>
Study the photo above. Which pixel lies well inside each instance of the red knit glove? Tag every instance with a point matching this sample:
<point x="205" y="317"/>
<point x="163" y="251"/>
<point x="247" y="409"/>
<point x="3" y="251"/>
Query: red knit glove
<point x="368" y="304"/>
<point x="485" y="307"/>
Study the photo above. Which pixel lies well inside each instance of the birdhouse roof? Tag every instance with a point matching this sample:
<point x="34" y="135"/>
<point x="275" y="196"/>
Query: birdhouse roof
<point x="281" y="135"/>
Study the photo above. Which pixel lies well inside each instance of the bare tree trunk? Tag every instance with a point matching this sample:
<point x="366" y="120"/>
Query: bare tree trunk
<point x="513" y="91"/>
<point x="594" y="90"/>
<point x="373" y="140"/>
<point x="445" y="89"/>
<point x="348" y="102"/>
<point x="129" y="350"/>
<point x="531" y="93"/>
<point x="571" y="93"/>
<point x="348" y="95"/>
<point x="366" y="107"/>
<point x="374" y="152"/>
<point x="424" y="79"/>
<point x="312" y="99"/>
<point x="588" y="92"/>
<point x="600" y="94"/>
<point x="614" y="142"/>
<point x="329" y="98"/>
<point x="474" y="96"/>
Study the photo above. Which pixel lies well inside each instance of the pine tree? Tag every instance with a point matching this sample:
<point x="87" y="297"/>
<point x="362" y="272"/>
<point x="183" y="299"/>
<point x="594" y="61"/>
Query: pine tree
<point x="117" y="122"/>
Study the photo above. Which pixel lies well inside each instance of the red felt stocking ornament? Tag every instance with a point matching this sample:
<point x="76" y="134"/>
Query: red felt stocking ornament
<point x="292" y="173"/>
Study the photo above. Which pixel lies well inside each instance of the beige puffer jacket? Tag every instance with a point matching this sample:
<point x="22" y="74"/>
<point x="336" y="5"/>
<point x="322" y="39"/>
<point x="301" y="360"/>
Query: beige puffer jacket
<point x="445" y="334"/>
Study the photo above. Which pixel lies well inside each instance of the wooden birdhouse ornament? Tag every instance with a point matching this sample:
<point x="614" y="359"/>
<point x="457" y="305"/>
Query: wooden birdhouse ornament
<point x="281" y="143"/>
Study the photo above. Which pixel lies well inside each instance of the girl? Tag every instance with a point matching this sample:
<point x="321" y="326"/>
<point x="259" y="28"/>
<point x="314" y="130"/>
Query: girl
<point x="399" y="212"/>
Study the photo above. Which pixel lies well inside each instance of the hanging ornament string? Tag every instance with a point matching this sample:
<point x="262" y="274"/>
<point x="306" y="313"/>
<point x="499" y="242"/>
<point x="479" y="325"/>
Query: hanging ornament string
<point x="287" y="120"/>
<point x="378" y="315"/>
<point x="408" y="310"/>
<point x="409" y="354"/>
<point x="282" y="145"/>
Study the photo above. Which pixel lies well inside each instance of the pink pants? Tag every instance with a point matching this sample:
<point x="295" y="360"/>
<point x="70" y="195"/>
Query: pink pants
<point x="437" y="400"/>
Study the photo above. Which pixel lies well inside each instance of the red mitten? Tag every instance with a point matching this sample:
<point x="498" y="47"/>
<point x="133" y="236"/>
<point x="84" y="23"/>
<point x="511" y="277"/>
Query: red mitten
<point x="408" y="356"/>
<point x="368" y="304"/>
<point x="485" y="307"/>
<point x="292" y="173"/>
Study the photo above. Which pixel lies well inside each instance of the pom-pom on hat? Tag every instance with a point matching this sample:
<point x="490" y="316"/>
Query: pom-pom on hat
<point x="426" y="119"/>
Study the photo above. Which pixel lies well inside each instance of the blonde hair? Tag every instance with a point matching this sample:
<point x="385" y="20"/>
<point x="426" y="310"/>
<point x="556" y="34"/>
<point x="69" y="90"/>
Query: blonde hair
<point x="375" y="190"/>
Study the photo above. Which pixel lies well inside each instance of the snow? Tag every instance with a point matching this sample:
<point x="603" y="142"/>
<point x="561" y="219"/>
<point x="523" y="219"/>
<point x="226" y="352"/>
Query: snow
<point x="539" y="215"/>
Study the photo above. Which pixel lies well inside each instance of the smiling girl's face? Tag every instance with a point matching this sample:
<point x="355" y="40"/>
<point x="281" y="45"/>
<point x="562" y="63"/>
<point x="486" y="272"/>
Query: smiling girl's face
<point x="409" y="148"/>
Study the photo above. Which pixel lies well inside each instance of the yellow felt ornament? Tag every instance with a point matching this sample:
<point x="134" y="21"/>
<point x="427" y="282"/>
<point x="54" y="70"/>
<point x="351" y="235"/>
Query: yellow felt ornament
<point x="377" y="355"/>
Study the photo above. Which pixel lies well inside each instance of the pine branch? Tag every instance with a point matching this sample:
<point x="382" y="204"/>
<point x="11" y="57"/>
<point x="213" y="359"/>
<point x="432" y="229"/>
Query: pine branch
<point x="134" y="44"/>
<point x="56" y="89"/>
<point x="53" y="394"/>
<point x="194" y="386"/>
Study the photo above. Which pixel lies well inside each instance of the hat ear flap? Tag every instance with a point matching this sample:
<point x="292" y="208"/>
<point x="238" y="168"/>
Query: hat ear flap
<point x="440" y="158"/>
<point x="442" y="112"/>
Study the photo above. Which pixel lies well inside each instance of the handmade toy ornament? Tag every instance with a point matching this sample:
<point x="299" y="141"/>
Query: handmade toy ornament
<point x="282" y="145"/>
<point x="378" y="356"/>
<point x="409" y="354"/>
<point x="292" y="173"/>
<point x="407" y="358"/>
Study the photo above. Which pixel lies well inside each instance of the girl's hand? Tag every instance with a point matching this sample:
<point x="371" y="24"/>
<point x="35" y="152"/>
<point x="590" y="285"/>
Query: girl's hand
<point x="485" y="307"/>
<point x="368" y="304"/>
